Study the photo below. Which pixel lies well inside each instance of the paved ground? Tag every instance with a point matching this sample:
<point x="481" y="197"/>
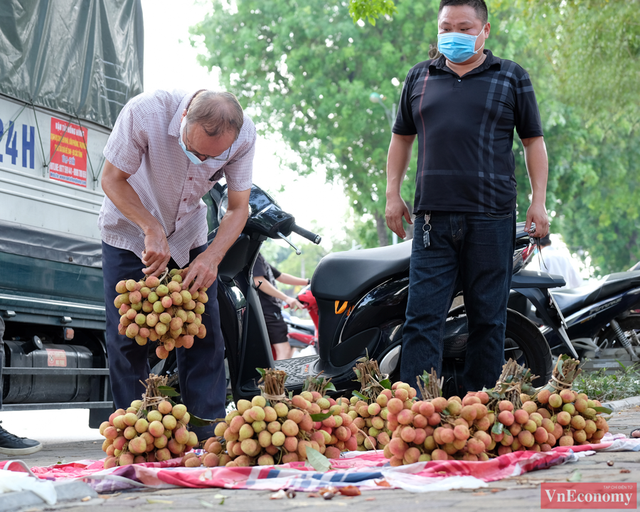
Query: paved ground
<point x="521" y="493"/>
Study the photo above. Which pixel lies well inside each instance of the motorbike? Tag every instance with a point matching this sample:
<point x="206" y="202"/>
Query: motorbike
<point x="361" y="298"/>
<point x="598" y="322"/>
<point x="303" y="334"/>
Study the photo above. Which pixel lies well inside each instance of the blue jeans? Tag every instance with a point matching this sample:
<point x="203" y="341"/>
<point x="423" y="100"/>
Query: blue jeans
<point x="474" y="252"/>
<point x="203" y="384"/>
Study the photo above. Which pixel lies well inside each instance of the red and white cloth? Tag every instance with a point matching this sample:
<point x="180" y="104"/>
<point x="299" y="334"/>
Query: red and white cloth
<point x="366" y="470"/>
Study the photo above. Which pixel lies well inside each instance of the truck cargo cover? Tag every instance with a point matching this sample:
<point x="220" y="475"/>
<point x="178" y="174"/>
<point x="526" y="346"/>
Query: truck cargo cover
<point x="42" y="244"/>
<point x="81" y="57"/>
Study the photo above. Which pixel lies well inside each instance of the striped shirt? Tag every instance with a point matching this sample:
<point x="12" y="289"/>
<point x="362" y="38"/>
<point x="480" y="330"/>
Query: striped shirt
<point x="465" y="127"/>
<point x="144" y="144"/>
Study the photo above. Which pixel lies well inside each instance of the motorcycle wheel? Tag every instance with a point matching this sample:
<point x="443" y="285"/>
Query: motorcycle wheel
<point x="631" y="323"/>
<point x="527" y="346"/>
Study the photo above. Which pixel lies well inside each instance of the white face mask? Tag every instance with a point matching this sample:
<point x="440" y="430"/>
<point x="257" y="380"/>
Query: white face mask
<point x="193" y="158"/>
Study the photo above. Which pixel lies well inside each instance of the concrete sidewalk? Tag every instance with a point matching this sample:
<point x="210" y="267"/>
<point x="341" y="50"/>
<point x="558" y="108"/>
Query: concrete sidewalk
<point x="521" y="493"/>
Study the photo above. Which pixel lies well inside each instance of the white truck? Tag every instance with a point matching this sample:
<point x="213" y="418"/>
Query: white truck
<point x="66" y="70"/>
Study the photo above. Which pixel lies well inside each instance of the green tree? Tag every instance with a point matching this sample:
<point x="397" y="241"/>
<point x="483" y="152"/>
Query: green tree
<point x="370" y="9"/>
<point x="308" y="71"/>
<point x="593" y="49"/>
<point x="583" y="62"/>
<point x="586" y="56"/>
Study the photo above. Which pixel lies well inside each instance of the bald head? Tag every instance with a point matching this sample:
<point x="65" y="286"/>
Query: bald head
<point x="217" y="112"/>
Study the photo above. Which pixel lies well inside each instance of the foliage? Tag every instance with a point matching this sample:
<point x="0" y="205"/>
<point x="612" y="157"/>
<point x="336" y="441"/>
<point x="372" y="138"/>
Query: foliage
<point x="308" y="72"/>
<point x="589" y="56"/>
<point x="593" y="49"/>
<point x="370" y="9"/>
<point x="310" y="257"/>
<point x="610" y="384"/>
<point x="274" y="253"/>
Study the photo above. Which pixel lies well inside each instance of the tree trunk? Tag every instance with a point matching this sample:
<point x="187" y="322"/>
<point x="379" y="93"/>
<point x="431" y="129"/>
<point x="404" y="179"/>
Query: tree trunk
<point x="381" y="226"/>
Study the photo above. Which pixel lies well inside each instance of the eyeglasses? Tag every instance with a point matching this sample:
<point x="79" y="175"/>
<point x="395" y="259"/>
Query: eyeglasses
<point x="220" y="158"/>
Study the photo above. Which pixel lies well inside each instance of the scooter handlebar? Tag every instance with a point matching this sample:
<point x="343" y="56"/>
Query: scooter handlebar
<point x="312" y="237"/>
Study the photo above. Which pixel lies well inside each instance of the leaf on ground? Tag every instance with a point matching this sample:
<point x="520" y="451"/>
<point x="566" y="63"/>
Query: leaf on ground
<point x="206" y="504"/>
<point x="318" y="461"/>
<point x="576" y="476"/>
<point x="159" y="502"/>
<point x="349" y="490"/>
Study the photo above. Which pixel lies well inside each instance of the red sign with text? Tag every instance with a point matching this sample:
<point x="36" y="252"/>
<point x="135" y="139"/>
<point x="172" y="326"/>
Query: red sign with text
<point x="56" y="357"/>
<point x="596" y="495"/>
<point x="68" y="153"/>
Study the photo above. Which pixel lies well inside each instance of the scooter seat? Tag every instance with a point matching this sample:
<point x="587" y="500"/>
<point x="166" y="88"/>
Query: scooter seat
<point x="572" y="299"/>
<point x="347" y="275"/>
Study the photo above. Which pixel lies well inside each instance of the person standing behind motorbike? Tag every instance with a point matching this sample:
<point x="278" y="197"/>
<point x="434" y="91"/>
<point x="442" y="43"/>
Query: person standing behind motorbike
<point x="555" y="261"/>
<point x="271" y="299"/>
<point x="167" y="150"/>
<point x="463" y="107"/>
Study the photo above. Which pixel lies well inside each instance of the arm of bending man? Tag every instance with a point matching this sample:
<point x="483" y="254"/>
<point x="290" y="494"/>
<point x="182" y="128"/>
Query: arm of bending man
<point x="398" y="160"/>
<point x="204" y="269"/>
<point x="535" y="156"/>
<point x="116" y="187"/>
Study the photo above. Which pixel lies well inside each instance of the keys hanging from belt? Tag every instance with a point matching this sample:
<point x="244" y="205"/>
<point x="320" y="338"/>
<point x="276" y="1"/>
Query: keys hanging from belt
<point x="426" y="229"/>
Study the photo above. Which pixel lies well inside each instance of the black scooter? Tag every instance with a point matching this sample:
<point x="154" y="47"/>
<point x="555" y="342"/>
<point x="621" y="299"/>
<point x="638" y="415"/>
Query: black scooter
<point x="361" y="297"/>
<point x="599" y="322"/>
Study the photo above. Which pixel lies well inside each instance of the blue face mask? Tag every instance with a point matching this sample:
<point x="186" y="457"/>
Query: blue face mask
<point x="194" y="159"/>
<point x="458" y="47"/>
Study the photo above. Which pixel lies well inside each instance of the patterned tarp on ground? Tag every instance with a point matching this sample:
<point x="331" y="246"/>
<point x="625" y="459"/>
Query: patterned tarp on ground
<point x="366" y="470"/>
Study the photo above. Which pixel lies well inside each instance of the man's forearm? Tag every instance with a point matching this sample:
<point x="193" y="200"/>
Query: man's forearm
<point x="535" y="154"/>
<point x="398" y="160"/>
<point x="230" y="228"/>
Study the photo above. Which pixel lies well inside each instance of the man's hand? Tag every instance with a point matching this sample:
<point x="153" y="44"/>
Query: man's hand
<point x="204" y="269"/>
<point x="537" y="214"/>
<point x="397" y="162"/>
<point x="156" y="253"/>
<point x="202" y="272"/>
<point x="395" y="211"/>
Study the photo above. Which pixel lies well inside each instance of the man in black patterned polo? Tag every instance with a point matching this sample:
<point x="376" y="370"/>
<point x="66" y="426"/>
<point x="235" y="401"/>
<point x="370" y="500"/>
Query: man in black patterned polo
<point x="463" y="107"/>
